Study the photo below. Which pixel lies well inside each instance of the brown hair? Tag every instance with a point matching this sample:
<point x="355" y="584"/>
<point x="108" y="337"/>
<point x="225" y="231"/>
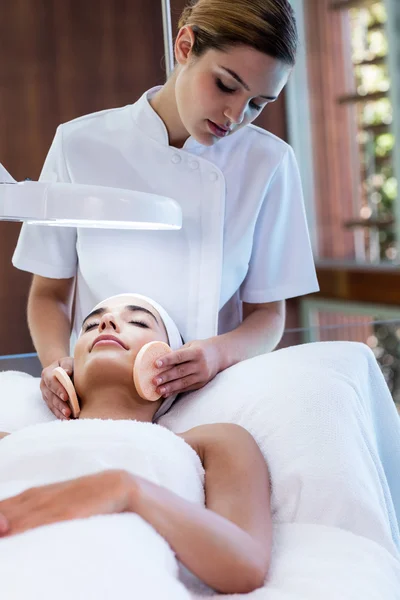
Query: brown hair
<point x="266" y="25"/>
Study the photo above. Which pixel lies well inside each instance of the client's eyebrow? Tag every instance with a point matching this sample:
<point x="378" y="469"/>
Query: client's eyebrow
<point x="130" y="307"/>
<point x="94" y="313"/>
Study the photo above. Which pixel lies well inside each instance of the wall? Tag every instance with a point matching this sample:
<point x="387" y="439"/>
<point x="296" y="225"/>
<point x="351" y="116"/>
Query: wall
<point x="60" y="60"/>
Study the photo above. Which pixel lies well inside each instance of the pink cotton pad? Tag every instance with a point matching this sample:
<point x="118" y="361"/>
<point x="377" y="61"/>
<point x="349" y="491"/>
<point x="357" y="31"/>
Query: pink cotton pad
<point x="144" y="369"/>
<point x="66" y="382"/>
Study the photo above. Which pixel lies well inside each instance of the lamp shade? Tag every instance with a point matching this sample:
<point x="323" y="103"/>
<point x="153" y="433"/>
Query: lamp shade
<point x="78" y="205"/>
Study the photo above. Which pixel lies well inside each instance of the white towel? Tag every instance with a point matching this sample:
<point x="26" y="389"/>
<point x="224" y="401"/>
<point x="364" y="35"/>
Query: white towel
<point x="106" y="557"/>
<point x="315" y="562"/>
<point x="327" y="426"/>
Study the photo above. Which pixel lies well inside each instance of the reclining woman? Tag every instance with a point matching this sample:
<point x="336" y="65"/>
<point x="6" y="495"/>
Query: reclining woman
<point x="203" y="495"/>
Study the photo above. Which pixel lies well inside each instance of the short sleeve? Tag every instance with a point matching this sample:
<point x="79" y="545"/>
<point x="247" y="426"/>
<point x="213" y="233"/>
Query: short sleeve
<point x="43" y="250"/>
<point x="281" y="264"/>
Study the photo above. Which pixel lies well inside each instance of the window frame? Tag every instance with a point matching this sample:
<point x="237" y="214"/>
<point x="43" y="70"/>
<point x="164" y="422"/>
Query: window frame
<point x="300" y="128"/>
<point x="298" y="114"/>
<point x="393" y="35"/>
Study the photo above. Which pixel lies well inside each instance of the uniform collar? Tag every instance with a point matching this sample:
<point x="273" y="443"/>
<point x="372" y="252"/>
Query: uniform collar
<point x="151" y="124"/>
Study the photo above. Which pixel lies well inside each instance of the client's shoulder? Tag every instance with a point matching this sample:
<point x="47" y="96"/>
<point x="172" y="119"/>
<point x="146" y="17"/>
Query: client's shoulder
<point x="220" y="437"/>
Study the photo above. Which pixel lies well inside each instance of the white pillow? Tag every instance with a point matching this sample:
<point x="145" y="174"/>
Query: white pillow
<point x="324" y="419"/>
<point x="21" y="402"/>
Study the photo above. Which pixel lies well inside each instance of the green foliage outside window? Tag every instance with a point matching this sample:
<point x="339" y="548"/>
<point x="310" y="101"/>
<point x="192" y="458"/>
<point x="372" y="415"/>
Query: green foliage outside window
<point x="379" y="187"/>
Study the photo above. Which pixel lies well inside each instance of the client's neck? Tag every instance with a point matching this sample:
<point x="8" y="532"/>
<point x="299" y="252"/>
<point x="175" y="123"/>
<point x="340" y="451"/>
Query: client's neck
<point x="115" y="403"/>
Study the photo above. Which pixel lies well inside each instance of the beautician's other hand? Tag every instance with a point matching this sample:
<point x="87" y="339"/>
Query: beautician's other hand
<point x="189" y="368"/>
<point x="105" y="493"/>
<point x="54" y="394"/>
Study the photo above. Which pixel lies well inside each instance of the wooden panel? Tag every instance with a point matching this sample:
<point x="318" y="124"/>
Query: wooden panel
<point x="60" y="60"/>
<point x="64" y="59"/>
<point x="177" y="7"/>
<point x="357" y="284"/>
<point x="334" y="129"/>
<point x="14" y="284"/>
<point x="273" y="118"/>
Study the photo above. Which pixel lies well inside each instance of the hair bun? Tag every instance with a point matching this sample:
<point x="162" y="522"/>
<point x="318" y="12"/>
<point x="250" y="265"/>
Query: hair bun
<point x="268" y="26"/>
<point x="185" y="17"/>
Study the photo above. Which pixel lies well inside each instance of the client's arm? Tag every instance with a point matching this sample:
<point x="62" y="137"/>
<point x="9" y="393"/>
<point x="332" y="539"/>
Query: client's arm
<point x="3" y="435"/>
<point x="227" y="544"/>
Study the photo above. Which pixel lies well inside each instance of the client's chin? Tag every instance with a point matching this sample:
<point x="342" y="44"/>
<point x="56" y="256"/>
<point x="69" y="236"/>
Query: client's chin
<point x="104" y="371"/>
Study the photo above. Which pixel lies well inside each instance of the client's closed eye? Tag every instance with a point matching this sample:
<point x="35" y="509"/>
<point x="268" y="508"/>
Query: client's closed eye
<point x="90" y="326"/>
<point x="140" y="324"/>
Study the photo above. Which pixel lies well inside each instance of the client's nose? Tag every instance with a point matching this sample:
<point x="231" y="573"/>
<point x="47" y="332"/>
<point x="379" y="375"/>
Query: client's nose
<point x="108" y="321"/>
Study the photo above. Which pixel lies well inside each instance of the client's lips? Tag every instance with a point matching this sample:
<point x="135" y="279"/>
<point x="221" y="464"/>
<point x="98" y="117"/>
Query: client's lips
<point x="110" y="338"/>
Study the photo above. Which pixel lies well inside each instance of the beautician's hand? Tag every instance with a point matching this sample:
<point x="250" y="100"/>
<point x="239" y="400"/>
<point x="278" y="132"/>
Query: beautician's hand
<point x="189" y="368"/>
<point x="105" y="493"/>
<point x="53" y="392"/>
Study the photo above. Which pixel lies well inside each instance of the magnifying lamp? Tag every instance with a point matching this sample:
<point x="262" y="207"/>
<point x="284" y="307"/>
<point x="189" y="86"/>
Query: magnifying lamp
<point x="79" y="205"/>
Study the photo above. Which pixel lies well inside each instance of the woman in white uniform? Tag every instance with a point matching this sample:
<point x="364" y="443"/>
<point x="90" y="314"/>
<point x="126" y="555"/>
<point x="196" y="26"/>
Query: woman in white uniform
<point x="244" y="246"/>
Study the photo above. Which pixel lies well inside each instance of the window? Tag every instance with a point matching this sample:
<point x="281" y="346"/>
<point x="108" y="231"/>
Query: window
<point x="350" y="65"/>
<point x="343" y="104"/>
<point x="374" y="222"/>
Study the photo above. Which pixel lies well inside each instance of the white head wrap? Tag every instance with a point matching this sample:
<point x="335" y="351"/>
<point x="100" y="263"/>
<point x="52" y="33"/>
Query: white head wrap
<point x="174" y="337"/>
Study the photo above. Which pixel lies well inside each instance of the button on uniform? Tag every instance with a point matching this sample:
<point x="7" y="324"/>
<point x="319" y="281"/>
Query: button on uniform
<point x="214" y="176"/>
<point x="176" y="159"/>
<point x="194" y="165"/>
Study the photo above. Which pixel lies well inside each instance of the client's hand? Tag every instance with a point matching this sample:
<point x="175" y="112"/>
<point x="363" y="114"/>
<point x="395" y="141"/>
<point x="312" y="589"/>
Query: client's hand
<point x="105" y="493"/>
<point x="189" y="368"/>
<point x="53" y="392"/>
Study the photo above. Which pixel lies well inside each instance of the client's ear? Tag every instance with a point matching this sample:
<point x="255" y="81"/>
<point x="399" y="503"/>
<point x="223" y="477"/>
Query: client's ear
<point x="144" y="369"/>
<point x="65" y="380"/>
